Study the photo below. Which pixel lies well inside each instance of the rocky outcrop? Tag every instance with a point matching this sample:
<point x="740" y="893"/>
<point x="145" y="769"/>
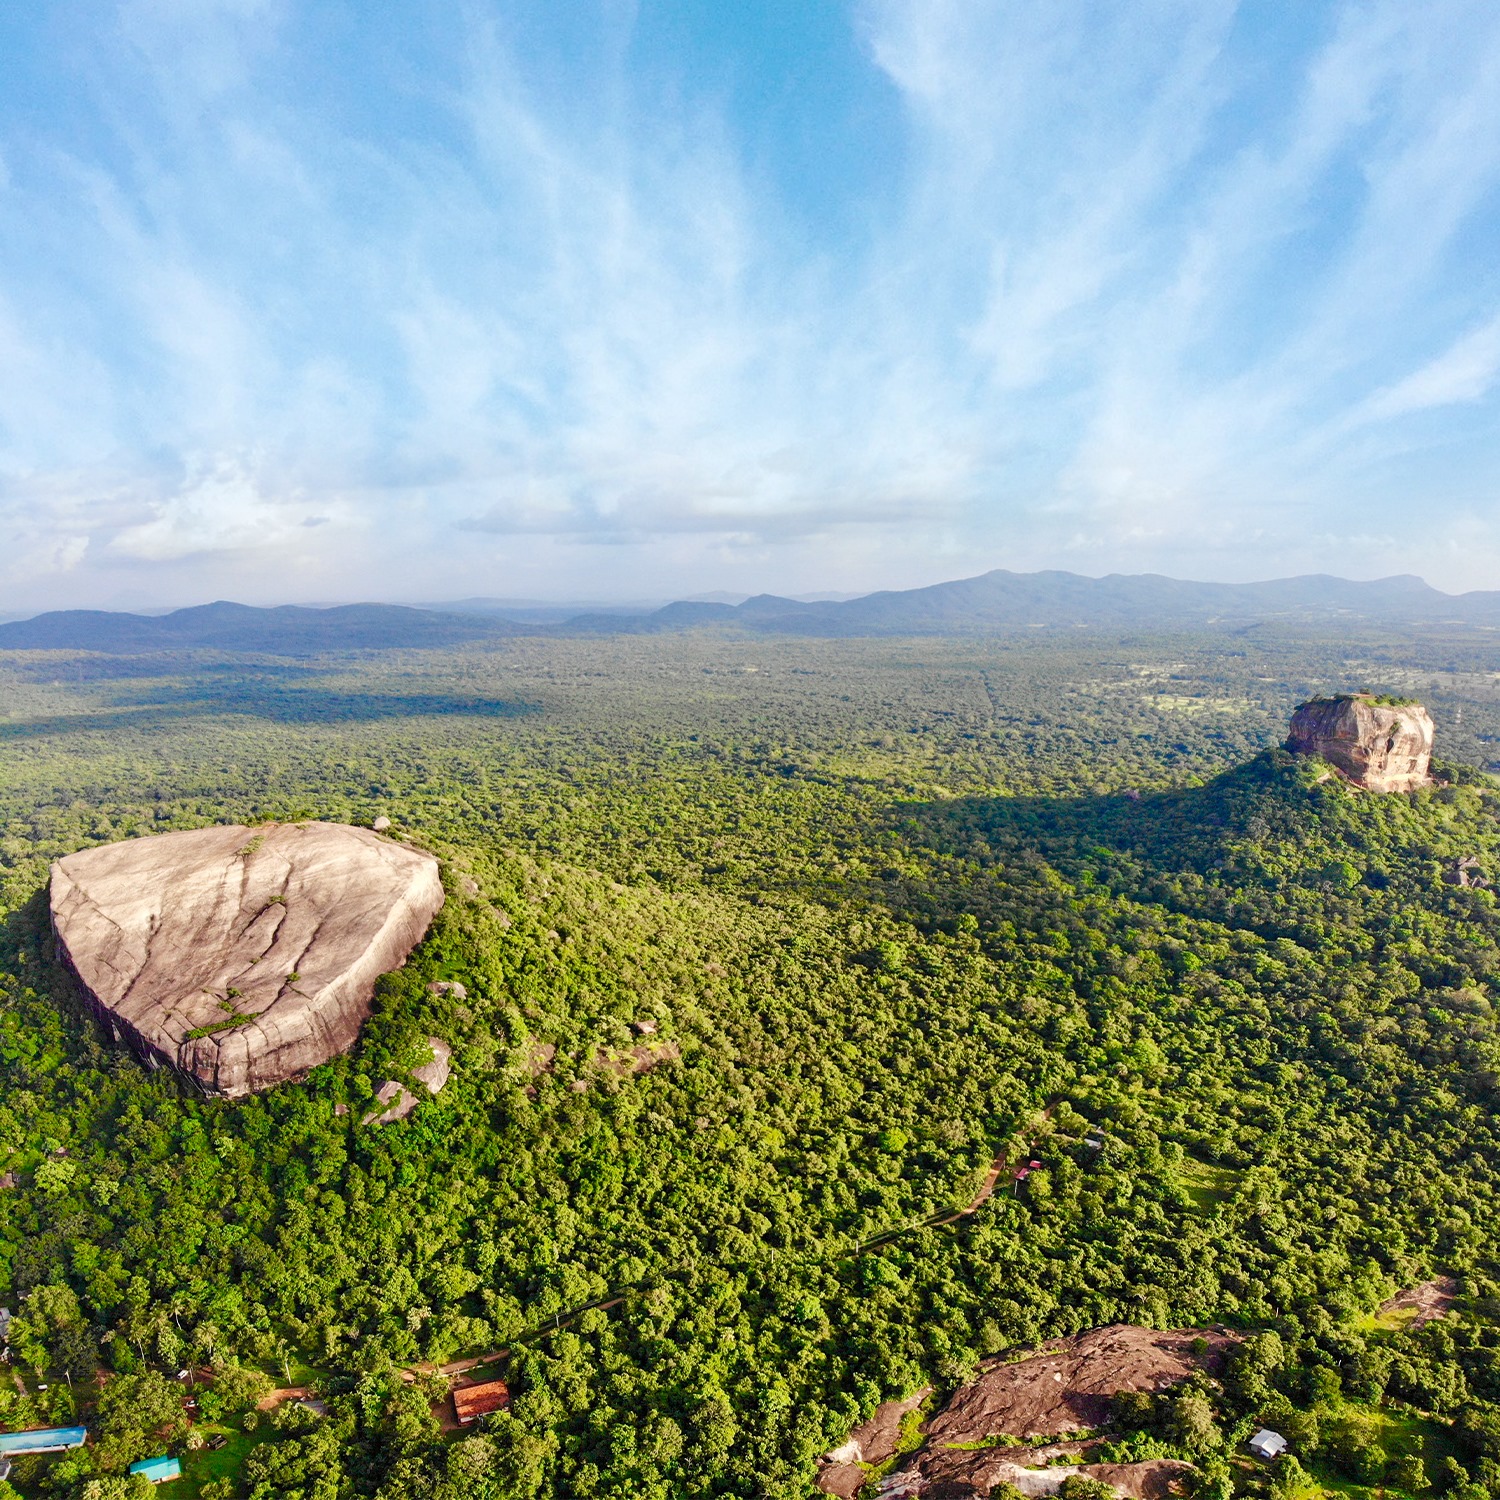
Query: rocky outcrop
<point x="242" y="956"/>
<point x="842" y="1473"/>
<point x="1383" y="747"/>
<point x="1465" y="872"/>
<point x="394" y="1101"/>
<point x="960" y="1475"/>
<point x="1067" y="1386"/>
<point x="1025" y="1423"/>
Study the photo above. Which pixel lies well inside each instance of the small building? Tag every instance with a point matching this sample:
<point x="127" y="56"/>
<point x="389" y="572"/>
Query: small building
<point x="42" y="1440"/>
<point x="472" y="1401"/>
<point x="1267" y="1444"/>
<point x="158" y="1470"/>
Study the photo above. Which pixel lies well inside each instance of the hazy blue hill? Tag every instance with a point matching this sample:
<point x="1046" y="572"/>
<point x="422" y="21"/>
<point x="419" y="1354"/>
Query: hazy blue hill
<point x="687" y="612"/>
<point x="773" y="606"/>
<point x="287" y="630"/>
<point x="1002" y="600"/>
<point x="83" y="630"/>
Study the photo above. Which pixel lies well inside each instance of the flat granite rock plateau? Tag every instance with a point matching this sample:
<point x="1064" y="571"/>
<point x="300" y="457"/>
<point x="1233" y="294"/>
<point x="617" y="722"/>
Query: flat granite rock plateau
<point x="242" y="956"/>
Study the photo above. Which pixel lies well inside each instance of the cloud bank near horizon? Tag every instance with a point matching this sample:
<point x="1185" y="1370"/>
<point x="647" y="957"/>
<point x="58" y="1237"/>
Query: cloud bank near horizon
<point x="613" y="300"/>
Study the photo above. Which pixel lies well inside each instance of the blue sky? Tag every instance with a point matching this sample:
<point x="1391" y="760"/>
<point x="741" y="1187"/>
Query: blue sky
<point x="317" y="301"/>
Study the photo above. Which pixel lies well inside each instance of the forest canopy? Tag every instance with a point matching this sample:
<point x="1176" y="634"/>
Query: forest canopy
<point x="756" y="959"/>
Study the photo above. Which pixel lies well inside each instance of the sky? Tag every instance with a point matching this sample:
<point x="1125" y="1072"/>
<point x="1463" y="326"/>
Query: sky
<point x="305" y="300"/>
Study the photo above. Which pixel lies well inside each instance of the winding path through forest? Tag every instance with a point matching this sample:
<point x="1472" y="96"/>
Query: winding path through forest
<point x="1003" y="1166"/>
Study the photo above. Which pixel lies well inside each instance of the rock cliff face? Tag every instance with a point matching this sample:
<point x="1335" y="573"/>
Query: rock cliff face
<point x="242" y="956"/>
<point x="1382" y="747"/>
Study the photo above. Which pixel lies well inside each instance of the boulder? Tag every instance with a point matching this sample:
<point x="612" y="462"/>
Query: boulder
<point x="395" y="1101"/>
<point x="1382" y="747"/>
<point x="381" y="823"/>
<point x="1465" y="872"/>
<point x="241" y="956"/>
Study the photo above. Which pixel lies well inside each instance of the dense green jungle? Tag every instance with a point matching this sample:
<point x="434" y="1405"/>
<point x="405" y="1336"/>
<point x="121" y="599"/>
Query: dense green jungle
<point x="895" y="908"/>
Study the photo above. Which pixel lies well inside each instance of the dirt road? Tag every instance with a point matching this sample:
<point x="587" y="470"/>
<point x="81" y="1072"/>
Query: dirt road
<point x="1004" y="1166"/>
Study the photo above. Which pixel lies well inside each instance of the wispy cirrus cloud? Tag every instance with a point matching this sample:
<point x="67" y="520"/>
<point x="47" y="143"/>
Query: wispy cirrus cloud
<point x="1463" y="373"/>
<point x="294" y="293"/>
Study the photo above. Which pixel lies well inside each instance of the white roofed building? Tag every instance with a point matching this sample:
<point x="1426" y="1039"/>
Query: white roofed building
<point x="1267" y="1444"/>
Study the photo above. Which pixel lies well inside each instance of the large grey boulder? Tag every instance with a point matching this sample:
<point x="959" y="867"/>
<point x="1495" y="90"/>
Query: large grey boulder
<point x="242" y="956"/>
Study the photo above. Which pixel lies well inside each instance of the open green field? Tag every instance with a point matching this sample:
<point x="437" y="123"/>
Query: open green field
<point x="1206" y="1184"/>
<point x="203" y="1467"/>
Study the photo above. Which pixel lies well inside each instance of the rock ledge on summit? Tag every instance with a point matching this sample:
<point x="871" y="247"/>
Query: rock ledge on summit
<point x="241" y="956"/>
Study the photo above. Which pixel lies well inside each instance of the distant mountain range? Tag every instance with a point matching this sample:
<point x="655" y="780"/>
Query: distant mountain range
<point x="290" y="630"/>
<point x="994" y="602"/>
<point x="541" y="612"/>
<point x="1004" y="601"/>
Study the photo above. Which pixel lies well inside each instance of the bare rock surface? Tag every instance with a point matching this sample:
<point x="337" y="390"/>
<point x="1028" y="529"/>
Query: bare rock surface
<point x="243" y="956"/>
<point x="958" y="1475"/>
<point x="539" y="1057"/>
<point x="1066" y="1387"/>
<point x="1383" y="747"/>
<point x="642" y="1058"/>
<point x="1466" y="873"/>
<point x="1423" y="1304"/>
<point x="1063" y="1388"/>
<point x="954" y="1475"/>
<point x="872" y="1442"/>
<point x="395" y="1101"/>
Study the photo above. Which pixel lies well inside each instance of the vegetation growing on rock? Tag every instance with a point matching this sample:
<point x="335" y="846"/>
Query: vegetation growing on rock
<point x="1382" y="744"/>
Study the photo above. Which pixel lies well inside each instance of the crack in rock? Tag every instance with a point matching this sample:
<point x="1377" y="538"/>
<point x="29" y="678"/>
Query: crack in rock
<point x="156" y="930"/>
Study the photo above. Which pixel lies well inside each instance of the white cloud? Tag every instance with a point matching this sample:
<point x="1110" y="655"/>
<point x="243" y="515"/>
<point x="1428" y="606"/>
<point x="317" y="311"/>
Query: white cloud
<point x="1232" y="391"/>
<point x="1123" y="301"/>
<point x="218" y="506"/>
<point x="1466" y="371"/>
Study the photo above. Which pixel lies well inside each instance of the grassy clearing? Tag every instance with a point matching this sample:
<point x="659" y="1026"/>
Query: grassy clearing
<point x="1182" y="704"/>
<point x="204" y="1466"/>
<point x="293" y="1372"/>
<point x="1330" y="1485"/>
<point x="1208" y="1186"/>
<point x="1400" y="1434"/>
<point x="1391" y="1321"/>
